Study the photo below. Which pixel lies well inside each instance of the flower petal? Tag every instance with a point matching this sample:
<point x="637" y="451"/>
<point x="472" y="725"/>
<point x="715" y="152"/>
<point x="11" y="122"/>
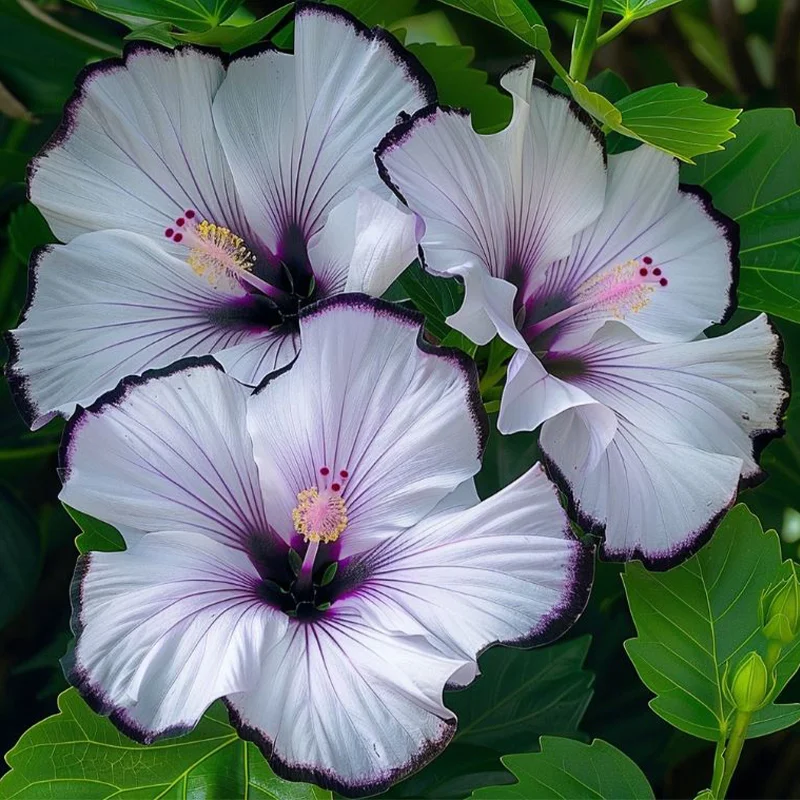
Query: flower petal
<point x="512" y="201"/>
<point x="365" y="244"/>
<point x="318" y="114"/>
<point x="112" y="304"/>
<point x="137" y="148"/>
<point x="647" y="215"/>
<point x="168" y="451"/>
<point x="691" y="420"/>
<point x="346" y="705"/>
<point x="402" y="421"/>
<point x="151" y="624"/>
<point x="507" y="570"/>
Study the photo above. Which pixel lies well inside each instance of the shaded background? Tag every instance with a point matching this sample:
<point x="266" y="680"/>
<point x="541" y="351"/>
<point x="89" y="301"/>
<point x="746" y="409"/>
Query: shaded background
<point x="744" y="54"/>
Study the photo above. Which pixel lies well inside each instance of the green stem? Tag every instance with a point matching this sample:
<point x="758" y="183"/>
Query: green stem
<point x="582" y="57"/>
<point x="491" y="379"/>
<point x="734" y="749"/>
<point x="773" y="654"/>
<point x="556" y="65"/>
<point x="613" y="31"/>
<point x="719" y="764"/>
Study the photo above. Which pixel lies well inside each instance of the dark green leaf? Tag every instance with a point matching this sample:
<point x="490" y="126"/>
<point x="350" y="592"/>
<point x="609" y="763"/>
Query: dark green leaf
<point x="77" y="753"/>
<point x="506" y="458"/>
<point x="12" y="166"/>
<point x="436" y="298"/>
<point x="520" y="695"/>
<point x="95" y="534"/>
<point x="756" y="181"/>
<point x="695" y="619"/>
<point x="191" y="15"/>
<point x="19" y="555"/>
<point x="27" y="230"/>
<point x="516" y="16"/>
<point x="462" y="86"/>
<point x="158" y="32"/>
<point x="570" y="770"/>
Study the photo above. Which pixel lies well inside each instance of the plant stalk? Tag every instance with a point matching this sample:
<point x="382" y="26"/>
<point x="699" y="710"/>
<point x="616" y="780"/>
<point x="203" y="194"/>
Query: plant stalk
<point x="582" y="59"/>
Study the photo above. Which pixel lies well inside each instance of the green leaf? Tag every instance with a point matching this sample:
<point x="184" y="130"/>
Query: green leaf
<point x="19" y="555"/>
<point x="463" y="86"/>
<point x="95" y="534"/>
<point x="570" y="770"/>
<point x="516" y="16"/>
<point x="77" y="753"/>
<point x="158" y="32"/>
<point x="191" y="15"/>
<point x="697" y="618"/>
<point x="756" y="181"/>
<point x="437" y="298"/>
<point x="27" y="229"/>
<point x="630" y="9"/>
<point x="672" y="118"/>
<point x="12" y="166"/>
<point x="231" y="38"/>
<point x="520" y="695"/>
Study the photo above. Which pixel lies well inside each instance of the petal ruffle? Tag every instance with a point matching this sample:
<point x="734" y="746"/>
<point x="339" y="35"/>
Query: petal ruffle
<point x="404" y="423"/>
<point x="318" y="114"/>
<point x="691" y="418"/>
<point x="506" y="570"/>
<point x="138" y="147"/>
<point x="112" y="304"/>
<point x="346" y="705"/>
<point x="165" y="628"/>
<point x="168" y="451"/>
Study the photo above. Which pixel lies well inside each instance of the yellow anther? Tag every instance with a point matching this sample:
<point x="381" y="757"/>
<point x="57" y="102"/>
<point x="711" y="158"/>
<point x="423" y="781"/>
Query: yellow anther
<point x="217" y="253"/>
<point x="319" y="517"/>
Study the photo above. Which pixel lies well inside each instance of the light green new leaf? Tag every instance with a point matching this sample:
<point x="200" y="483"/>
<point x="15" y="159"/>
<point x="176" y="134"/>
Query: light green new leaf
<point x="570" y="770"/>
<point x="519" y="696"/>
<point x="77" y="753"/>
<point x="516" y="16"/>
<point x="672" y="118"/>
<point x="756" y="181"/>
<point x="191" y="15"/>
<point x="231" y="38"/>
<point x="629" y="9"/>
<point x="694" y="619"/>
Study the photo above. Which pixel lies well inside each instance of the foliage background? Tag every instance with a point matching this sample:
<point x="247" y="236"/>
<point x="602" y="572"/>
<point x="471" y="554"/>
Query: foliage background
<point x="743" y="54"/>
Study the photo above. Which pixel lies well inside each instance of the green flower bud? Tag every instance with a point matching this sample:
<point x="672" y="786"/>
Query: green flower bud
<point x="783" y="615"/>
<point x="749" y="688"/>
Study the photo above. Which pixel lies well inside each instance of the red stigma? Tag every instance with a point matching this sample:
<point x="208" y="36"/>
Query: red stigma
<point x="177" y="237"/>
<point x="335" y="487"/>
<point x="324" y="471"/>
<point x="643" y="272"/>
<point x="169" y="232"/>
<point x="189" y="213"/>
<point x="657" y="271"/>
<point x="647" y="260"/>
<point x="180" y="222"/>
<point x="344" y="473"/>
<point x="663" y="281"/>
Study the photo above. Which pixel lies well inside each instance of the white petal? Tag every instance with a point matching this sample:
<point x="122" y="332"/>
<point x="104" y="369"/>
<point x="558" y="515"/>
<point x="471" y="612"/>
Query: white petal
<point x="691" y="419"/>
<point x="108" y="305"/>
<point x="505" y="570"/>
<point x="260" y="355"/>
<point x="168" y="452"/>
<point x="646" y="214"/>
<point x="318" y="115"/>
<point x="138" y="147"/>
<point x="531" y="396"/>
<point x="363" y="397"/>
<point x="165" y="628"/>
<point x="511" y="201"/>
<point x="365" y="244"/>
<point x="348" y="706"/>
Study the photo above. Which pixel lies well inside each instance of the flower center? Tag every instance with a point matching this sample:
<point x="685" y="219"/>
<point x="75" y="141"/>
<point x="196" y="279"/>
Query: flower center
<point x="618" y="291"/>
<point x="319" y="516"/>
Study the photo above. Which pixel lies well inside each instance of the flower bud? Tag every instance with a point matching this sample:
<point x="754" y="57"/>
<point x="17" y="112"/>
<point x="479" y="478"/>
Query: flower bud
<point x="783" y="615"/>
<point x="750" y="686"/>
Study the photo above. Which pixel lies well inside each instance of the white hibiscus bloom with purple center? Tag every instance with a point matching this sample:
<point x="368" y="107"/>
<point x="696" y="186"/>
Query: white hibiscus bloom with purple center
<point x="313" y="552"/>
<point x="204" y="201"/>
<point x="603" y="275"/>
